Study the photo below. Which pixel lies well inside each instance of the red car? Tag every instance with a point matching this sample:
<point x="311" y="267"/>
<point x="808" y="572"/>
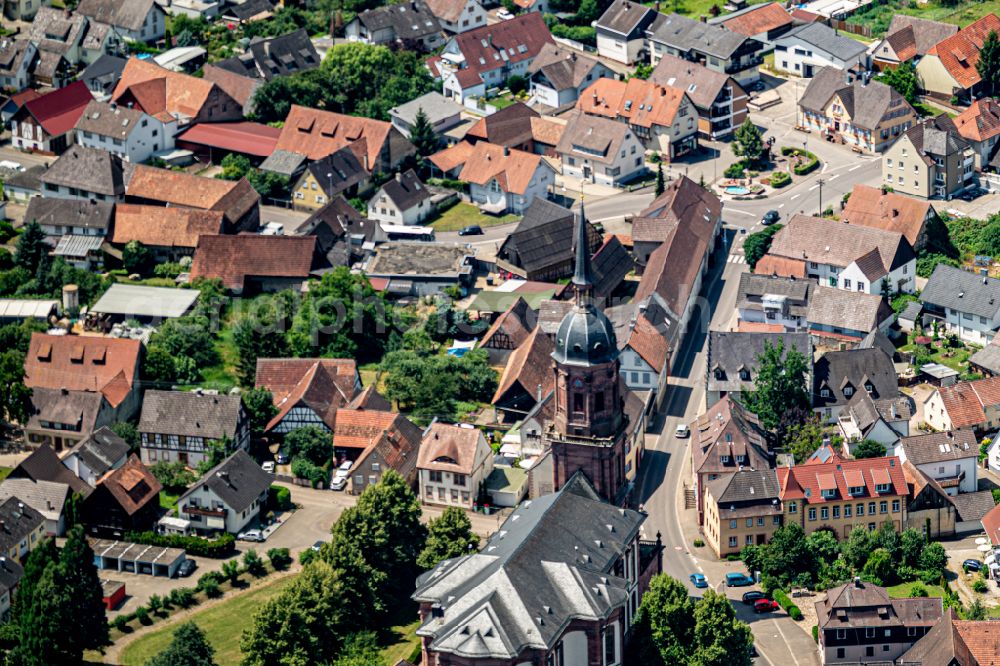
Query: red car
<point x="765" y="606"/>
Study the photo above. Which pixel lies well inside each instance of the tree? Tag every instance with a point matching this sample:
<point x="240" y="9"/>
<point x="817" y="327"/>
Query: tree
<point x="933" y="558"/>
<point x="234" y="167"/>
<point x="254" y="564"/>
<point x="719" y="638"/>
<point x="869" y="448"/>
<point x="255" y="338"/>
<point x="231" y="570"/>
<point x="988" y="65"/>
<point x="903" y="79"/>
<point x="128" y="432"/>
<point x="660" y="185"/>
<point x="188" y="647"/>
<point x="37" y="562"/>
<point x="664" y="624"/>
<point x="83" y="595"/>
<point x="31" y="247"/>
<point x="273" y="100"/>
<point x="310" y="442"/>
<point x="879" y="568"/>
<point x="259" y="405"/>
<point x="857" y="547"/>
<point x="757" y="244"/>
<point x="216" y="451"/>
<point x="749" y="144"/>
<point x="45" y="630"/>
<point x="137" y="258"/>
<point x="912" y="544"/>
<point x="360" y="649"/>
<point x="449" y="535"/>
<point x="516" y="84"/>
<point x="15" y="399"/>
<point x="173" y="476"/>
<point x="786" y="556"/>
<point x="802" y="440"/>
<point x="780" y="384"/>
<point x="823" y="547"/>
<point x="422" y="135"/>
<point x="975" y="611"/>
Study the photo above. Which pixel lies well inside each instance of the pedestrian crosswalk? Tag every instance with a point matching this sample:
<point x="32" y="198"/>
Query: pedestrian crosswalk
<point x="736" y="259"/>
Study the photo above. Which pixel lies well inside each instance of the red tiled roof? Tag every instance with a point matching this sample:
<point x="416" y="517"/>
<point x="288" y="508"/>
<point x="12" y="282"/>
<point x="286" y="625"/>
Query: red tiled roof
<point x="156" y="89"/>
<point x="316" y="134"/>
<point x="979" y="122"/>
<point x="521" y="38"/>
<point x="648" y="343"/>
<point x="528" y="367"/>
<point x="159" y="226"/>
<point x="959" y="54"/>
<point x="82" y="363"/>
<point x="451" y="448"/>
<point x="234" y="198"/>
<point x="760" y="19"/>
<point x="806" y="482"/>
<point x="58" y="111"/>
<point x="982" y="638"/>
<point x="321" y="387"/>
<point x="759" y="327"/>
<point x="806" y="17"/>
<point x="280" y="376"/>
<point x="643" y="103"/>
<point x="965" y="401"/>
<point x="869" y="207"/>
<point x="991" y="523"/>
<point x="233" y="259"/>
<point x="242" y="137"/>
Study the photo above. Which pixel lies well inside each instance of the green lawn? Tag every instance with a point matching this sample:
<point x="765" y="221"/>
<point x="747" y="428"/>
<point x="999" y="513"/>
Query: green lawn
<point x="879" y="16"/>
<point x="902" y="591"/>
<point x="693" y="8"/>
<point x="223" y="623"/>
<point x="463" y="214"/>
<point x="958" y="360"/>
<point x="405" y="644"/>
<point x="5" y="472"/>
<point x="168" y="501"/>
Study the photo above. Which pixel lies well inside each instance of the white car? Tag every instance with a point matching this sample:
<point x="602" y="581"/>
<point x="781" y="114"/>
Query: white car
<point x="344" y="470"/>
<point x="11" y="165"/>
<point x="682" y="431"/>
<point x="338" y="483"/>
<point x="504" y="15"/>
<point x="268" y="467"/>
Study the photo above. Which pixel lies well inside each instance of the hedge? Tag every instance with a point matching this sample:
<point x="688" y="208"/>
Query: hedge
<point x="801" y="169"/>
<point x="279" y="498"/>
<point x="780" y="179"/>
<point x="816" y="633"/>
<point x="793" y="611"/>
<point x="222" y="546"/>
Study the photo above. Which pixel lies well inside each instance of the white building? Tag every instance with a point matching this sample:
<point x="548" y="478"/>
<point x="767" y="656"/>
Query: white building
<point x="129" y="133"/>
<point x="804" y="50"/>
<point x="600" y="150"/>
<point x="454" y="460"/>
<point x="402" y="200"/>
<point x="17" y="57"/>
<point x="949" y="457"/>
<point x="457" y="16"/>
<point x="621" y="31"/>
<point x="559" y="75"/>
<point x="963" y="303"/>
<point x="228" y="498"/>
<point x="134" y="20"/>
<point x="98" y="454"/>
<point x="504" y="180"/>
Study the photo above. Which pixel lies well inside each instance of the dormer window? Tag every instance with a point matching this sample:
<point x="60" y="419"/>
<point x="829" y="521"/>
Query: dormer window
<point x="829" y="493"/>
<point x="824" y="393"/>
<point x="848" y="391"/>
<point x="882" y="488"/>
<point x="870" y="388"/>
<point x="856" y="490"/>
<point x="724" y="460"/>
<point x="719" y="374"/>
<point x="745" y="375"/>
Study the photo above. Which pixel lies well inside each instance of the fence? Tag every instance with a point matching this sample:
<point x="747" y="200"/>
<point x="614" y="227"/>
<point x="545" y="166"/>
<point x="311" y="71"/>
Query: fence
<point x="852" y="28"/>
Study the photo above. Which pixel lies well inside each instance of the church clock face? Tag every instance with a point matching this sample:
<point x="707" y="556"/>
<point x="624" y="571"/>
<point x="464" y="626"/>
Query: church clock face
<point x="577" y="383"/>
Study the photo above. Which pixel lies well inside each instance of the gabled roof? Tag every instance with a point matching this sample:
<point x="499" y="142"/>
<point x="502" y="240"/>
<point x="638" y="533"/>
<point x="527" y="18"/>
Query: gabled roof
<point x="918" y="35"/>
<point x="250" y="9"/>
<point x="19" y="520"/>
<point x="82" y="363"/>
<point x="101" y="450"/>
<point x="80" y="213"/>
<point x="936" y="137"/>
<point x="338" y="171"/>
<point x="449" y="447"/>
<point x="965" y="402"/>
<point x="729" y="353"/>
<point x="641" y="102"/>
<point x="395" y="446"/>
<point x="683" y="203"/>
<point x="510" y="126"/>
<point x="805" y="482"/>
<point x="243" y="137"/>
<point x="513" y="170"/>
<point x="956" y="643"/>
<point x="746" y="489"/>
<point x="503" y="44"/>
<point x="756" y="19"/>
<point x="595" y="138"/>
<point x="449" y="11"/>
<point x="13" y="53"/>
<point x="110" y="120"/>
<point x="991" y="524"/>
<point x="324" y="385"/>
<point x="866" y="103"/>
<point x="610" y="264"/>
<point x="701" y="84"/>
<point x="74" y="410"/>
<point x="266" y="59"/>
<point x="233" y="259"/>
<point x="406" y="190"/>
<point x="866" y="605"/>
<point x="238" y="481"/>
<point x="562" y="67"/>
<point x="132" y="485"/>
<point x="624" y="16"/>
<point x="528" y="370"/>
<point x="824" y="241"/>
<point x="174" y="188"/>
<point x="689" y="35"/>
<point x="127" y="14"/>
<point x="940" y="446"/>
<point x="409" y="20"/>
<point x="56" y="30"/>
<point x="853" y="368"/>
<point x="158" y="226"/>
<point x="728" y="430"/>
<point x="869" y="207"/>
<point x="46" y="497"/>
<point x="979" y="122"/>
<point x="89" y="169"/>
<point x="238" y="86"/>
<point x="58" y="111"/>
<point x="514" y="325"/>
<point x="44" y="465"/>
<point x="673" y="267"/>
<point x="543" y="237"/>
<point x="824" y="38"/>
<point x="190" y="414"/>
<point x="649" y="343"/>
<point x="956" y="289"/>
<point x="959" y="54"/>
<point x="317" y="133"/>
<point x="156" y="89"/>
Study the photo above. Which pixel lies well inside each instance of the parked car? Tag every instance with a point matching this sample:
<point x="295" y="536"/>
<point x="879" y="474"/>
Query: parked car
<point x="281" y="458"/>
<point x="770" y="217"/>
<point x="471" y="230"/>
<point x="765" y="606"/>
<point x="344" y="470"/>
<point x="318" y="545"/>
<point x="268" y="466"/>
<point x="504" y="15"/>
<point x="338" y="483"/>
<point x="699" y="580"/>
<point x="11" y="165"/>
<point x="753" y="596"/>
<point x="738" y="580"/>
<point x="972" y="565"/>
<point x="186" y="568"/>
<point x="251" y="535"/>
<point x="682" y="431"/>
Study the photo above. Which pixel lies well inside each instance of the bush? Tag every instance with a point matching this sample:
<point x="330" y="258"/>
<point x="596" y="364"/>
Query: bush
<point x="254" y="565"/>
<point x="307" y="556"/>
<point x="211" y="588"/>
<point x="304" y="469"/>
<point x="280" y="558"/>
<point x="208" y="579"/>
<point x="221" y="546"/>
<point x="279" y="498"/>
<point x="815" y="631"/>
<point x="120" y="623"/>
<point x="793" y="611"/>
<point x="182" y="597"/>
<point x="979" y="585"/>
<point x="698" y="543"/>
<point x="735" y="170"/>
<point x="142" y="615"/>
<point x="780" y="179"/>
<point x="917" y="591"/>
<point x="168" y="270"/>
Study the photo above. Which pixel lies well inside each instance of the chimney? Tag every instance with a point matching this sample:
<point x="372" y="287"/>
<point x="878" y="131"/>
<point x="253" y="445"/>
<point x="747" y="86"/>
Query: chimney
<point x="399" y="177"/>
<point x="895" y="212"/>
<point x="857" y="582"/>
<point x="539" y="393"/>
<point x="506" y="151"/>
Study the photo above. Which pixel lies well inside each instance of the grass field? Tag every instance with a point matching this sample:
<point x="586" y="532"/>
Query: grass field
<point x="878" y="16"/>
<point x="223" y="623"/>
<point x="5" y="472"/>
<point x="692" y="8"/>
<point x="463" y="214"/>
<point x="168" y="501"/>
<point x="902" y="591"/>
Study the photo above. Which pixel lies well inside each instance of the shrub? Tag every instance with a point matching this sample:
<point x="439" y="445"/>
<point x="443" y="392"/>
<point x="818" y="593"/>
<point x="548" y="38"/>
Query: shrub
<point x="698" y="543"/>
<point x="168" y="270"/>
<point x="780" y="179"/>
<point x="120" y="623"/>
<point x="155" y="604"/>
<point x="210" y="587"/>
<point x="182" y="597"/>
<point x="279" y="498"/>
<point x="142" y="615"/>
<point x="918" y="590"/>
<point x="307" y="556"/>
<point x="735" y="170"/>
<point x="304" y="469"/>
<point x="793" y="611"/>
<point x="979" y="585"/>
<point x="208" y="579"/>
<point x="815" y="631"/>
<point x="253" y="563"/>
<point x="280" y="558"/>
<point x="221" y="546"/>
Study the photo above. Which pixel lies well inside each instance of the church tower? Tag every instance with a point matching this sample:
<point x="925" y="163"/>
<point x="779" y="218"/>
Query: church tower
<point x="588" y="426"/>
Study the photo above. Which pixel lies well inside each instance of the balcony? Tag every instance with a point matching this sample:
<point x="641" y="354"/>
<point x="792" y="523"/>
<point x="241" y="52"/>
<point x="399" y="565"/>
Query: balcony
<point x="720" y="112"/>
<point x="202" y="511"/>
<point x="744" y="64"/>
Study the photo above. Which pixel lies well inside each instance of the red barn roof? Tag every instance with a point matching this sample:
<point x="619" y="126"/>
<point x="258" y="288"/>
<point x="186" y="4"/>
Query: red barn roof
<point x="239" y="137"/>
<point x="58" y="111"/>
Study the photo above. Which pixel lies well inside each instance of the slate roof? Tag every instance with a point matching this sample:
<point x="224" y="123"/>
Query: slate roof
<point x="857" y="604"/>
<point x="74" y="409"/>
<point x="89" y="169"/>
<point x="510" y="126"/>
<point x="855" y="368"/>
<point x="435" y="106"/>
<point x="729" y="353"/>
<point x="45" y="497"/>
<point x="728" y="429"/>
<point x="266" y="59"/>
<point x="824" y="38"/>
<point x="56" y="30"/>
<point x="552" y="558"/>
<point x="248" y="9"/>
<point x="543" y="237"/>
<point x="690" y="35"/>
<point x="103" y="74"/>
<point x="237" y="481"/>
<point x="190" y="414"/>
<point x="449" y="447"/>
<point x="866" y="411"/>
<point x="562" y="67"/>
<point x="597" y="139"/>
<point x="233" y="259"/>
<point x="956" y="289"/>
<point x="959" y="54"/>
<point x="826" y="241"/>
<point x="132" y="485"/>
<point x="102" y="449"/>
<point x="701" y="84"/>
<point x="746" y="488"/>
<point x="82" y="363"/>
<point x="71" y="213"/>
<point x="911" y="36"/>
<point x="972" y="506"/>
<point x="936" y="137"/>
<point x="940" y="446"/>
<point x="610" y="264"/>
<point x="12" y="54"/>
<point x="624" y="16"/>
<point x="10" y="574"/>
<point x="44" y="465"/>
<point x="338" y="172"/>
<point x="406" y="190"/>
<point x="409" y="20"/>
<point x="989" y="356"/>
<point x="19" y="520"/>
<point x="127" y="14"/>
<point x="847" y="310"/>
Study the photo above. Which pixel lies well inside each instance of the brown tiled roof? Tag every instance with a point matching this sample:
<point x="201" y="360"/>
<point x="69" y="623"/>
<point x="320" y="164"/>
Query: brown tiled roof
<point x="528" y="367"/>
<point x="157" y="226"/>
<point x="563" y="67"/>
<point x="546" y="131"/>
<point x="509" y="127"/>
<point x="132" y="484"/>
<point x="958" y="642"/>
<point x="599" y="139"/>
<point x="240" y="88"/>
<point x="758" y="20"/>
<point x="358" y="429"/>
<point x="921" y="34"/>
<point x="444" y="443"/>
<point x="316" y="134"/>
<point x="642" y="103"/>
<point x="233" y="259"/>
<point x="452" y="157"/>
<point x="369" y="398"/>
<point x="516" y="323"/>
<point x="826" y="241"/>
<point x="780" y="266"/>
<point x="82" y="363"/>
<point x="392" y="437"/>
<point x="234" y="198"/>
<point x="683" y="202"/>
<point x="965" y="402"/>
<point x="701" y="84"/>
<point x="513" y="171"/>
<point x="649" y="343"/>
<point x="449" y="11"/>
<point x="521" y="37"/>
<point x="728" y="429"/>
<point x="860" y="604"/>
<point x="869" y="207"/>
<point x="940" y="446"/>
<point x="979" y="122"/>
<point x="672" y="268"/>
<point x="320" y="391"/>
<point x="281" y="376"/>
<point x="156" y="89"/>
<point x="959" y="54"/>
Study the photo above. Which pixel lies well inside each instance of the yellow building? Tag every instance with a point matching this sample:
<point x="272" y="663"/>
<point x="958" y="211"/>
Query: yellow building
<point x="339" y="173"/>
<point x="741" y="509"/>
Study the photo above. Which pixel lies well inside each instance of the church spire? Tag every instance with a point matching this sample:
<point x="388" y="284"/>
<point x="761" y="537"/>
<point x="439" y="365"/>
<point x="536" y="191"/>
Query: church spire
<point x="581" y="276"/>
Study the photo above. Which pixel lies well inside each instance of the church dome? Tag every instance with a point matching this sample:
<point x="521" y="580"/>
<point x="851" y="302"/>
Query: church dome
<point x="585" y="337"/>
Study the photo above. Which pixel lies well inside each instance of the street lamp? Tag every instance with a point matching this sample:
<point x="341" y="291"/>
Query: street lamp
<point x="821" y="183"/>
